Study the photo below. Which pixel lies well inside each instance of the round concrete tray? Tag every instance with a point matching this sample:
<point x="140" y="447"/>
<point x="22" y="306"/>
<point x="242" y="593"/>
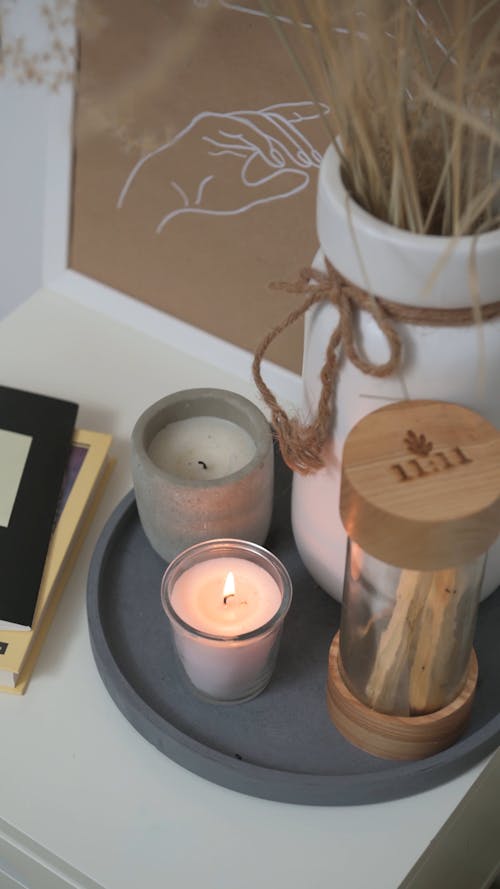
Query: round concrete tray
<point x="281" y="745"/>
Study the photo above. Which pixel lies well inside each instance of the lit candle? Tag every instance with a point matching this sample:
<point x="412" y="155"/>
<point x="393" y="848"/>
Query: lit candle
<point x="202" y="448"/>
<point x="203" y="468"/>
<point x="226" y="601"/>
<point x="226" y="596"/>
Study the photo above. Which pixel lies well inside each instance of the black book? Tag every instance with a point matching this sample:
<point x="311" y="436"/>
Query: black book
<point x="35" y="439"/>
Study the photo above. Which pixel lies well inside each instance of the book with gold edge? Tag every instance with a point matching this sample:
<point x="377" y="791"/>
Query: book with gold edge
<point x="85" y="476"/>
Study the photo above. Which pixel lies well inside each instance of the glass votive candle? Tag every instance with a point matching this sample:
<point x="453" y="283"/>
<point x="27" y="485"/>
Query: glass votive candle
<point x="226" y="601"/>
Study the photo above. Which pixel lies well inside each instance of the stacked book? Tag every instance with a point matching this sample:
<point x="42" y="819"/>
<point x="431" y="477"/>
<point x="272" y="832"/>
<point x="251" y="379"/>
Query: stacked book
<point x="50" y="477"/>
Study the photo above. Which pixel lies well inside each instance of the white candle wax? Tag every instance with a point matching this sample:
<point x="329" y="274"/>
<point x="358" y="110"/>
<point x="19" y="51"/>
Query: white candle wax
<point x="202" y="448"/>
<point x="221" y="668"/>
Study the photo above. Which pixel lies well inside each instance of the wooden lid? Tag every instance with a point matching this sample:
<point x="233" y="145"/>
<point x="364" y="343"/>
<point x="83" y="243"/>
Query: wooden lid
<point x="421" y="484"/>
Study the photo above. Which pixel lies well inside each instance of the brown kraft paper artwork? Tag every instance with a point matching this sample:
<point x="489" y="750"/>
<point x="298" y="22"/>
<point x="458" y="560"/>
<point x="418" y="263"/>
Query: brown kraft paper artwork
<point x="196" y="162"/>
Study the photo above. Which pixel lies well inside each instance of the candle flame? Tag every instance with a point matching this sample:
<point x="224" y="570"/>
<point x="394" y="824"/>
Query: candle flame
<point x="229" y="587"/>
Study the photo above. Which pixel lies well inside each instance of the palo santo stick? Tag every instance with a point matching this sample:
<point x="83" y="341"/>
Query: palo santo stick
<point x="436" y="640"/>
<point x="397" y="641"/>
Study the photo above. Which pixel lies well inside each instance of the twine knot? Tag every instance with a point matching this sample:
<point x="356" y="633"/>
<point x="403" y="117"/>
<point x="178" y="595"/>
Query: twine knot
<point x="302" y="444"/>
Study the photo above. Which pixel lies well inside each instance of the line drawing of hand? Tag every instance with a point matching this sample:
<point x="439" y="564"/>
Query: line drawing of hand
<point x="237" y="160"/>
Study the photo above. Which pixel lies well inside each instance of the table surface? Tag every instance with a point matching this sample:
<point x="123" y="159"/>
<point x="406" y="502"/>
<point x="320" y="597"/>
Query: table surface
<point x="79" y="784"/>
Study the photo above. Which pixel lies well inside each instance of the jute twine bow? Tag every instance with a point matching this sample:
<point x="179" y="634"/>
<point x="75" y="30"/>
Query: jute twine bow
<point x="302" y="444"/>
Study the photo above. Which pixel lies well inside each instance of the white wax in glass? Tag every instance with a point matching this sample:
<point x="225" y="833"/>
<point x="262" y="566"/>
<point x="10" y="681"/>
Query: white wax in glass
<point x="198" y="597"/>
<point x="222" y="669"/>
<point x="202" y="448"/>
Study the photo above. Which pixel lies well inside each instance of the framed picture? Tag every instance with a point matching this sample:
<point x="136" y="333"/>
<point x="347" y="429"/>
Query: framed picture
<point x="177" y="221"/>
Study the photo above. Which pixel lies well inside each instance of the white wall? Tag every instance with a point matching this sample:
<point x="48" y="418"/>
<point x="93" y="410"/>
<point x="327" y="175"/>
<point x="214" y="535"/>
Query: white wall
<point x="22" y="165"/>
<point x="23" y="157"/>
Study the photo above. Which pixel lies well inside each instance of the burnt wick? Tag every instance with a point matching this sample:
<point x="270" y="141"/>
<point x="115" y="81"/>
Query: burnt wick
<point x="202" y="463"/>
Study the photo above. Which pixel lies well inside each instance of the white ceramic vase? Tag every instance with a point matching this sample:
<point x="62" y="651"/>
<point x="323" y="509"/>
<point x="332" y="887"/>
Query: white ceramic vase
<point x="458" y="364"/>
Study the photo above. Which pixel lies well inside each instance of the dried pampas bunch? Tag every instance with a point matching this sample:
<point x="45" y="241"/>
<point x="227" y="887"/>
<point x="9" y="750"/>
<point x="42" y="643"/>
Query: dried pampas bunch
<point x="413" y="90"/>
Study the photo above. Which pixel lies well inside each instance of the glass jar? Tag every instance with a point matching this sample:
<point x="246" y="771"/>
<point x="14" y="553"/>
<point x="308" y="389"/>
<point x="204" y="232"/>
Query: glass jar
<point x="406" y="635"/>
<point x="420" y="502"/>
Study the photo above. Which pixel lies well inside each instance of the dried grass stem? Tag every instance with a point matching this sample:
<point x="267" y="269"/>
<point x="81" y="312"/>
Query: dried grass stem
<point x="413" y="88"/>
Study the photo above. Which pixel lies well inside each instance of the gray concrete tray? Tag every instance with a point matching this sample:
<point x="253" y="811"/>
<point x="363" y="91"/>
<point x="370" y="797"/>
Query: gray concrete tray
<point x="281" y="745"/>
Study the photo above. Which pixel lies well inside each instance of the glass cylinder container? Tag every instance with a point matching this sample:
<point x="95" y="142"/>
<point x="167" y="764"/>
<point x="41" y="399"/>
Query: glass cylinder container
<point x="406" y="635"/>
<point x="226" y="601"/>
<point x="420" y="502"/>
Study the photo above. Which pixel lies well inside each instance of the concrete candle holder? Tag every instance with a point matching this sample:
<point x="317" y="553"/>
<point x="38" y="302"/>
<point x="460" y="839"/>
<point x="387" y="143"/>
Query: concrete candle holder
<point x="203" y="467"/>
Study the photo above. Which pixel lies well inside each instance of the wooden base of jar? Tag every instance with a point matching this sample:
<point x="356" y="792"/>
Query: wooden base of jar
<point x="396" y="737"/>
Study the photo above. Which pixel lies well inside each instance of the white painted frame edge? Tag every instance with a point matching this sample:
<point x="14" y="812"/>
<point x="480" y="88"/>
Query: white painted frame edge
<point x="58" y="277"/>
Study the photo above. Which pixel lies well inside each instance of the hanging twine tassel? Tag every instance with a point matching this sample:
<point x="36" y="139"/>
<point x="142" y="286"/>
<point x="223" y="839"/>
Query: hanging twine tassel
<point x="302" y="444"/>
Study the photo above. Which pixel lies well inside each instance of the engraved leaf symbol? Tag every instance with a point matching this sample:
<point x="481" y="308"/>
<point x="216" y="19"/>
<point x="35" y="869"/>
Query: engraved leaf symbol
<point x="417" y="444"/>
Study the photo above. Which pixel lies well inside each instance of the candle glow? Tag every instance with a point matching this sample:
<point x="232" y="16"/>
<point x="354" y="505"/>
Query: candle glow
<point x="229" y="588"/>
